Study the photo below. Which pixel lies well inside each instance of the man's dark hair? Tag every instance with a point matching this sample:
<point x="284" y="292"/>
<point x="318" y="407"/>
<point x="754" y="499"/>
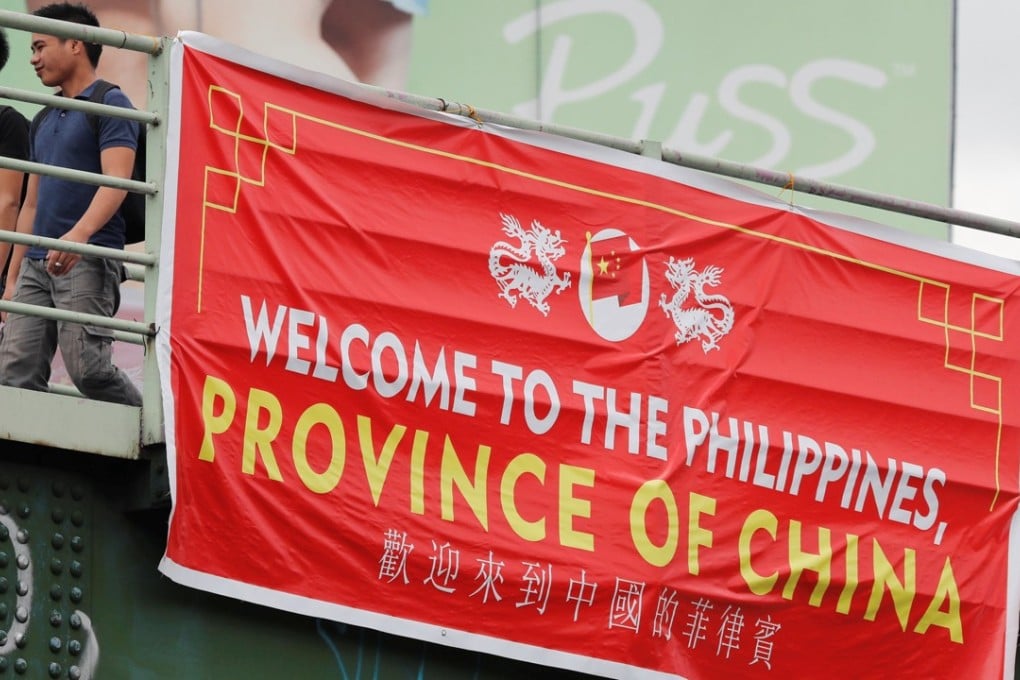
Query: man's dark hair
<point x="76" y="13"/>
<point x="5" y="49"/>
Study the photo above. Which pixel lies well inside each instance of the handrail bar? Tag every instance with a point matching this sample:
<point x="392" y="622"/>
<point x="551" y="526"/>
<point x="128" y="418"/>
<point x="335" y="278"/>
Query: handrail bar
<point x="143" y="259"/>
<point x="55" y="314"/>
<point x="62" y="29"/>
<point x="94" y="178"/>
<point x="72" y="104"/>
<point x="716" y="166"/>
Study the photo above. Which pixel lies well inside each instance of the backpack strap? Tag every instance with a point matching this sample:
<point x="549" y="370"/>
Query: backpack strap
<point x="97" y="97"/>
<point x="37" y="120"/>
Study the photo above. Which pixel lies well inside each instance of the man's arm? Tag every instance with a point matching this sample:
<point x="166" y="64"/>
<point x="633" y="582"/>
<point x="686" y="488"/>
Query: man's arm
<point x="117" y="161"/>
<point x="25" y="219"/>
<point x="10" y="202"/>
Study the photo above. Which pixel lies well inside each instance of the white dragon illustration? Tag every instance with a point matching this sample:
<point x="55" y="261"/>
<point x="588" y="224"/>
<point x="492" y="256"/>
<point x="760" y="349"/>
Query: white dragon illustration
<point x="509" y="264"/>
<point x="712" y="319"/>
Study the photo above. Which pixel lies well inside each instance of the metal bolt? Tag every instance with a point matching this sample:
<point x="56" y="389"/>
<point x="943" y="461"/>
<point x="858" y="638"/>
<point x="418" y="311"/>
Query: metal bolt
<point x="76" y="594"/>
<point x="58" y="540"/>
<point x="56" y="566"/>
<point x="56" y="618"/>
<point x="55" y="644"/>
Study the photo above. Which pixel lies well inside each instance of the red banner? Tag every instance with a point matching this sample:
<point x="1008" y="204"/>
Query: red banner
<point x="527" y="396"/>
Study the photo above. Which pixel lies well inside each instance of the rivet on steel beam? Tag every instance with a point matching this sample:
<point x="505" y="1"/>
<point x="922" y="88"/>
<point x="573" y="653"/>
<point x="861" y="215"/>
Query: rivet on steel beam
<point x="56" y="618"/>
<point x="55" y="644"/>
<point x="58" y="541"/>
<point x="76" y="594"/>
<point x="57" y="515"/>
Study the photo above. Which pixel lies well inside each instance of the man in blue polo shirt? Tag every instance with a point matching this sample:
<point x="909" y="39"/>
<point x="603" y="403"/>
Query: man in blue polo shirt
<point x="73" y="212"/>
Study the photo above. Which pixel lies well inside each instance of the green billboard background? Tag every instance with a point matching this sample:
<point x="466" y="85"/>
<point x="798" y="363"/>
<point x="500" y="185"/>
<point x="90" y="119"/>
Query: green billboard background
<point x="854" y="93"/>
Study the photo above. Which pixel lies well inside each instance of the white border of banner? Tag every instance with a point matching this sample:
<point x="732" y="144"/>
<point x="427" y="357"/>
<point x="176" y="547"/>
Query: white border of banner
<point x="693" y="178"/>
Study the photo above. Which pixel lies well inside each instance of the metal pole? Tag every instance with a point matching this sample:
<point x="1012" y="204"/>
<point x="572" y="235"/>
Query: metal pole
<point x="144" y="259"/>
<point x="54" y="314"/>
<point x="72" y="104"/>
<point x="718" y="166"/>
<point x="97" y="179"/>
<point x="63" y="29"/>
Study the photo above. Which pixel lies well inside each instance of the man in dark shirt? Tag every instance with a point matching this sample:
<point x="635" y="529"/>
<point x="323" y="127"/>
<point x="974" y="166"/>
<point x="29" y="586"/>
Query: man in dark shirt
<point x="76" y="213"/>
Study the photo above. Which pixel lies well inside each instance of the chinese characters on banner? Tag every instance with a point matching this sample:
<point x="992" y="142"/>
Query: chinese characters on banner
<point x="544" y="400"/>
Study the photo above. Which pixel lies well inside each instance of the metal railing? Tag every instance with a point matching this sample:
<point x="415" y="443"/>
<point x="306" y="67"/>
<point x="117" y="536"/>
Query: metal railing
<point x="140" y="266"/>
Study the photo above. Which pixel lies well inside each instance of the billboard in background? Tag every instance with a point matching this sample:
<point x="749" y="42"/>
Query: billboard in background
<point x="527" y="396"/>
<point x="858" y="94"/>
